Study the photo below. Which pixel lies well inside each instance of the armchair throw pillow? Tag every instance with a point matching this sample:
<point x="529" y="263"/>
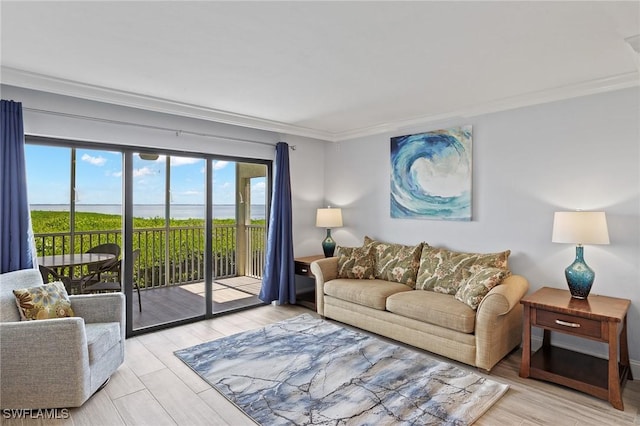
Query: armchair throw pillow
<point x="43" y="302"/>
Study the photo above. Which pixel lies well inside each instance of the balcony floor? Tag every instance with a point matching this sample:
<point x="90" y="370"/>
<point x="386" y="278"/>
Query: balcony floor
<point x="167" y="304"/>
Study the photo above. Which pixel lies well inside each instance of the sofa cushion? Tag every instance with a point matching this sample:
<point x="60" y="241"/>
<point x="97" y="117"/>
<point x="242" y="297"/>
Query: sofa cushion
<point x="395" y="262"/>
<point x="435" y="308"/>
<point x="355" y="262"/>
<point x="371" y="293"/>
<point x="474" y="288"/>
<point x="101" y="337"/>
<point x="43" y="302"/>
<point x="443" y="271"/>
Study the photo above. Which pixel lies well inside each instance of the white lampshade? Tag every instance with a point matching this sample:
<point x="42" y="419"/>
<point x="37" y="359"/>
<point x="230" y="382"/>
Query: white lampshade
<point x="580" y="228"/>
<point x="329" y="218"/>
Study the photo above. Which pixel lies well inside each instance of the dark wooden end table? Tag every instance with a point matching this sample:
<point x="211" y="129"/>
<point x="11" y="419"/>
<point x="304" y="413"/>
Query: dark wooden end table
<point x="599" y="318"/>
<point x="306" y="294"/>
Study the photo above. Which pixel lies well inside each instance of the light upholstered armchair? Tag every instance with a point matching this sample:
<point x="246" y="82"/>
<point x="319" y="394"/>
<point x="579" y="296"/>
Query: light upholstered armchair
<point x="57" y="363"/>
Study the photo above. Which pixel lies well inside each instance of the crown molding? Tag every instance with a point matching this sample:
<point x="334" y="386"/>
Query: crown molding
<point x="60" y="86"/>
<point x="36" y="81"/>
<point x="607" y="84"/>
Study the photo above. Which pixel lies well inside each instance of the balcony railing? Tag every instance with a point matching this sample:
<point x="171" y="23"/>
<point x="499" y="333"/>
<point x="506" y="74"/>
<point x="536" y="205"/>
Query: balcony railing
<point x="257" y="245"/>
<point x="170" y="256"/>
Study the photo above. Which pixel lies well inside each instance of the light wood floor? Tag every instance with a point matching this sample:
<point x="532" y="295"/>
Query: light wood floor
<point x="153" y="387"/>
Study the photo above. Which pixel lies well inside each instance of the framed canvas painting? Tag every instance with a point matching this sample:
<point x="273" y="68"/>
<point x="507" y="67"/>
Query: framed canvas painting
<point x="431" y="175"/>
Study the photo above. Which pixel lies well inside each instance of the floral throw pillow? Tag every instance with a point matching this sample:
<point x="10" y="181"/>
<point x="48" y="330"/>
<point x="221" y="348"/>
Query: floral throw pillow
<point x="377" y="248"/>
<point x="443" y="271"/>
<point x="476" y="287"/>
<point x="403" y="267"/>
<point x="355" y="262"/>
<point x="395" y="262"/>
<point x="43" y="302"/>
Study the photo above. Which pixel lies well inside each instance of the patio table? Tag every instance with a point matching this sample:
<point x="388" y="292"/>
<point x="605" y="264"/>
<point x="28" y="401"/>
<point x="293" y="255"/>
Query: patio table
<point x="58" y="261"/>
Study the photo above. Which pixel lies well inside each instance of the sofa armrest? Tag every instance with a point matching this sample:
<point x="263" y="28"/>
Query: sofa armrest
<point x="324" y="270"/>
<point x="502" y="298"/>
<point x="499" y="321"/>
<point x="102" y="307"/>
<point x="36" y="354"/>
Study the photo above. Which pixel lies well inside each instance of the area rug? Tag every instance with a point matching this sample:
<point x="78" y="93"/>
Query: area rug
<point x="308" y="371"/>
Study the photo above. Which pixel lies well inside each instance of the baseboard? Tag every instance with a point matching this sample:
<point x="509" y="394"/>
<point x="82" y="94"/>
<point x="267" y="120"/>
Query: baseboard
<point x="536" y="342"/>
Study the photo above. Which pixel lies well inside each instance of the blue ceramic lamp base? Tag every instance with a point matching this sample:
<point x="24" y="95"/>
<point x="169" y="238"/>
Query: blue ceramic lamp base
<point x="579" y="276"/>
<point x="328" y="245"/>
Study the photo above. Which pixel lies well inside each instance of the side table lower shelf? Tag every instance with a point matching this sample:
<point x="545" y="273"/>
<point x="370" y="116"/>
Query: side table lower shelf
<point x="306" y="303"/>
<point x="576" y="370"/>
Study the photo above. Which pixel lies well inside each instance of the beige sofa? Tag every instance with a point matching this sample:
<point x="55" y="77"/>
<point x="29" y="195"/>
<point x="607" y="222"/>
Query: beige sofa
<point x="425" y="319"/>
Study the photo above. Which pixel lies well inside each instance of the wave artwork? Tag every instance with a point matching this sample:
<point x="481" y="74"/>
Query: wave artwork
<point x="431" y="175"/>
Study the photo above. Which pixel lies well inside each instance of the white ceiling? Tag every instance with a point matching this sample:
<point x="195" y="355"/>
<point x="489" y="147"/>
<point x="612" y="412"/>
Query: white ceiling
<point x="330" y="70"/>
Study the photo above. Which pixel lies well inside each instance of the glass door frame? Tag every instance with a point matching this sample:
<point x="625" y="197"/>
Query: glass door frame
<point x="127" y="236"/>
<point x="127" y="215"/>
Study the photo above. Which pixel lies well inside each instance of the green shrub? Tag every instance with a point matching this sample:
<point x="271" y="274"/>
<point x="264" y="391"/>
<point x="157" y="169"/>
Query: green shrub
<point x="185" y="243"/>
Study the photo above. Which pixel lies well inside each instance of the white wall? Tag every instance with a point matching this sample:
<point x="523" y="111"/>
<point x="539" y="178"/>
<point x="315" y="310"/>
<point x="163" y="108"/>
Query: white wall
<point x="306" y="161"/>
<point x="582" y="153"/>
<point x="307" y="194"/>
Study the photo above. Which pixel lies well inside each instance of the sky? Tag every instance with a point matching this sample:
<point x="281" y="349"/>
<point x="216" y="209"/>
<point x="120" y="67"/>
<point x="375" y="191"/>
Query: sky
<point x="99" y="178"/>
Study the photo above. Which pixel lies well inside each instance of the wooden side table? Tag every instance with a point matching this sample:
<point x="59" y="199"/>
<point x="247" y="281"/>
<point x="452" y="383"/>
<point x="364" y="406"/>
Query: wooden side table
<point x="599" y="318"/>
<point x="305" y="281"/>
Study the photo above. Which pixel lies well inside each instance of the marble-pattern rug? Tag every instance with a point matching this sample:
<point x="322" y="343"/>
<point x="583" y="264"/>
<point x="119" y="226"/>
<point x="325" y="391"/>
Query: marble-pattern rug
<point x="308" y="371"/>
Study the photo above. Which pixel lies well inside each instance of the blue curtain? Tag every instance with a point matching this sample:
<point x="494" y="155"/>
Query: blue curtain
<point x="278" y="280"/>
<point x="17" y="249"/>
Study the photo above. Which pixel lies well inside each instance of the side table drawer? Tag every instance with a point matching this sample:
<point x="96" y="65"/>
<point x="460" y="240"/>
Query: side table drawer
<point x="303" y="269"/>
<point x="569" y="323"/>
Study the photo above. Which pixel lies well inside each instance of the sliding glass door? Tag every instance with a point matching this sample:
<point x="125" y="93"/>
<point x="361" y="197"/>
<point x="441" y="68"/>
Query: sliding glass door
<point x="238" y="233"/>
<point x="76" y="203"/>
<point x="168" y="233"/>
<point x="190" y="229"/>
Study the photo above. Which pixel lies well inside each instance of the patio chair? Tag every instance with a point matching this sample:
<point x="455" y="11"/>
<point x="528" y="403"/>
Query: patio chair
<point x="107" y="265"/>
<point x="50" y="275"/>
<point x="61" y="362"/>
<point x="88" y="284"/>
<point x="107" y="269"/>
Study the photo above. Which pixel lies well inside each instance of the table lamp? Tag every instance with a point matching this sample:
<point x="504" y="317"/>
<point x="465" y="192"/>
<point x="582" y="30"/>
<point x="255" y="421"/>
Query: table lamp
<point x="329" y="218"/>
<point x="580" y="228"/>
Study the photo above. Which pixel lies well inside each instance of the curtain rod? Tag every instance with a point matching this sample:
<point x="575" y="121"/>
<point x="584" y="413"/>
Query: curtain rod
<point x="177" y="132"/>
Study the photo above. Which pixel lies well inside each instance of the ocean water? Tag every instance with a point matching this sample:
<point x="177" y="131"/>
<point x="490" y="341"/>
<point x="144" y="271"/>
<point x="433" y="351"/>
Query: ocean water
<point x="178" y="211"/>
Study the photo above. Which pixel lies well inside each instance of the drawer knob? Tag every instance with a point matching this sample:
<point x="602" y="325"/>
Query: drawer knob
<point x="567" y="324"/>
